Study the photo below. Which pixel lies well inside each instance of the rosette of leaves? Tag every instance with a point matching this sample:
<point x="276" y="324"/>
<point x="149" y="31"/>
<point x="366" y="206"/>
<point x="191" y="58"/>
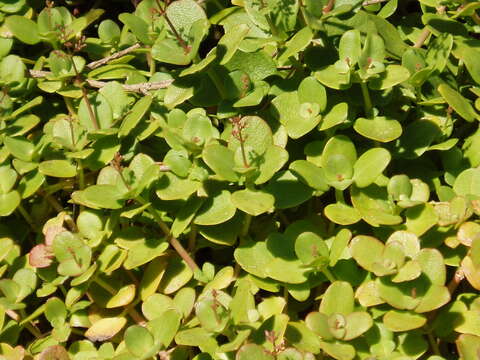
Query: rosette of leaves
<point x="239" y="180"/>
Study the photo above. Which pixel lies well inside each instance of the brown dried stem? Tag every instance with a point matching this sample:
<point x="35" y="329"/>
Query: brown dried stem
<point x="119" y="54"/>
<point x="139" y="88"/>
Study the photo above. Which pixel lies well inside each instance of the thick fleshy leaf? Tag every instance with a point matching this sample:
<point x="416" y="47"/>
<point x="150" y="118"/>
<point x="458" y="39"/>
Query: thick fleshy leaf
<point x="379" y="128"/>
<point x="104" y="196"/>
<point x="287" y="190"/>
<point x="23" y="29"/>
<point x="253" y="257"/>
<point x="216" y="210"/>
<point x="393" y="75"/>
<point x="221" y="160"/>
<point x="253" y="202"/>
<point x="342" y="214"/>
<point x="139" y="341"/>
<point x="9" y="202"/>
<point x="309" y="174"/>
<point x="135" y="115"/>
<point x="457" y="102"/>
<point x="105" y="328"/>
<point x="370" y="165"/>
<point x="396" y="320"/>
<point x="58" y="168"/>
<point x="253" y="351"/>
<point x="338" y="299"/>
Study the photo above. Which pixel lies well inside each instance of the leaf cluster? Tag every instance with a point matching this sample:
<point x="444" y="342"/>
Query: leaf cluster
<point x="244" y="180"/>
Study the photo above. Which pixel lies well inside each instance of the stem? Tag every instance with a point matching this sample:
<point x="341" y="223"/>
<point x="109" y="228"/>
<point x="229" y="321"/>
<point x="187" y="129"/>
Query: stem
<point x="282" y="217"/>
<point x="171" y="239"/>
<point x="328" y="274"/>
<point x="339" y="196"/>
<point x="132" y="277"/>
<point x="27" y="217"/>
<point x="166" y="230"/>
<point x="329" y="6"/>
<point x="32" y="329"/>
<point x="246" y="225"/>
<point x="142" y="88"/>
<point x="139" y="319"/>
<point x="85" y="96"/>
<point x="69" y="105"/>
<point x="89" y="108"/>
<point x="151" y="63"/>
<point x="456" y="280"/>
<point x="81" y="176"/>
<point x="367" y="100"/>
<point x="433" y="343"/>
<point x="192" y="238"/>
<point x="242" y="148"/>
<point x="422" y="38"/>
<point x="182" y="42"/>
<point x="40" y="310"/>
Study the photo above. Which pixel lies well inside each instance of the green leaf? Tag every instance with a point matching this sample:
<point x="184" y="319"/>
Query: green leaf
<point x="298" y="118"/>
<point x="102" y="110"/>
<point x="310" y="174"/>
<point x="58" y="168"/>
<point x="105" y="328"/>
<point x="12" y="71"/>
<point x="342" y="214"/>
<point x="310" y="247"/>
<point x="8" y="177"/>
<point x="461" y="105"/>
<point x="256" y="134"/>
<point x="253" y="257"/>
<point x="311" y="91"/>
<point x="273" y="160"/>
<point x="420" y="218"/>
<point x="138" y="340"/>
<point x="338" y="299"/>
<point x="350" y="47"/>
<point x="287" y="190"/>
<point x="467" y="182"/>
<point x="20" y="147"/>
<point x="297" y="43"/>
<point x="370" y="165"/>
<point x="165" y="327"/>
<point x="221" y="160"/>
<point x="393" y="75"/>
<point x="138" y="26"/>
<point x="253" y="202"/>
<point x="104" y="196"/>
<point x="55" y="311"/>
<point x="357" y="323"/>
<point x="72" y="253"/>
<point x="216" y="209"/>
<point x="108" y="31"/>
<point x="136" y="114"/>
<point x="23" y="29"/>
<point x="396" y="320"/>
<point x="338" y="350"/>
<point x="253" y="352"/>
<point x="229" y="43"/>
<point x="379" y="128"/>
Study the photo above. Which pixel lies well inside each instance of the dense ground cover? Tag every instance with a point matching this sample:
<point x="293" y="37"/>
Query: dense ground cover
<point x="249" y="180"/>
